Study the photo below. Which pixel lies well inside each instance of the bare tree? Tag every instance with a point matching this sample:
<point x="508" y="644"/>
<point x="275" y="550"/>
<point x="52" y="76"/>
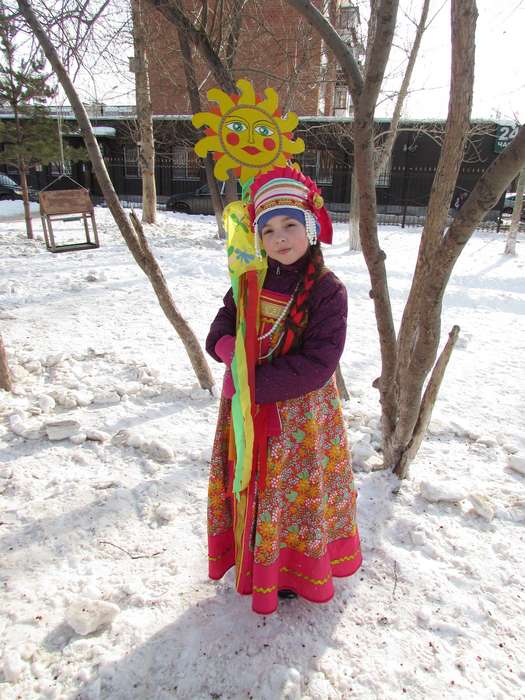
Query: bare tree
<point x="512" y="235"/>
<point x="409" y="358"/>
<point x="195" y="102"/>
<point x="131" y="231"/>
<point x="385" y="142"/>
<point x="144" y="115"/>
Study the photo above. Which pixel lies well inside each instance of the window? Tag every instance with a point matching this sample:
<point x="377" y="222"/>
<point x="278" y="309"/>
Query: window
<point x="319" y="165"/>
<point x="325" y="168"/>
<point x="131" y="162"/>
<point x="185" y="164"/>
<point x="55" y="168"/>
<point x="347" y="17"/>
<point x="383" y="176"/>
<point x="341" y="97"/>
<point x="308" y="162"/>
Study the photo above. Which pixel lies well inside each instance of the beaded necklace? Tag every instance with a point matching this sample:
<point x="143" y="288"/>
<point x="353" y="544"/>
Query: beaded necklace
<point x="276" y="323"/>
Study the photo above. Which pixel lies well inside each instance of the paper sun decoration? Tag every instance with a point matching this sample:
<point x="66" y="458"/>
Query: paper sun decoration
<point x="246" y="133"/>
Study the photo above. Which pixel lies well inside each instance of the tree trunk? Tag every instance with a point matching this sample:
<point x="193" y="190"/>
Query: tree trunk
<point x="510" y="245"/>
<point x="354" y="242"/>
<point x="215" y="193"/>
<point x="25" y="197"/>
<point x="384" y="151"/>
<point x="144" y="116"/>
<point x="427" y="405"/>
<point x="230" y="191"/>
<point x="136" y="241"/>
<point x="195" y="103"/>
<point x="5" y="375"/>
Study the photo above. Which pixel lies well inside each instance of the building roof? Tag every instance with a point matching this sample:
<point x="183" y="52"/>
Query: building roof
<point x="100" y="111"/>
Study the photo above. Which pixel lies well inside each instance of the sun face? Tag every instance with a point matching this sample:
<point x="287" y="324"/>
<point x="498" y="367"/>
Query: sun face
<point x="246" y="134"/>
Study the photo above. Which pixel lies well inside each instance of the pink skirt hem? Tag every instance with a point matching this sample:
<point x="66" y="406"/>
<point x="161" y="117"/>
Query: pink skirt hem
<point x="311" y="578"/>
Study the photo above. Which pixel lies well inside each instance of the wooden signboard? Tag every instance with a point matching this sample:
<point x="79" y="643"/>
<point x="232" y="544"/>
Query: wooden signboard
<point x="54" y="202"/>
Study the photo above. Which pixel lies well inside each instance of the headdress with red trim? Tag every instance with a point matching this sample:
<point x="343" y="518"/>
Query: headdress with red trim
<point x="291" y="189"/>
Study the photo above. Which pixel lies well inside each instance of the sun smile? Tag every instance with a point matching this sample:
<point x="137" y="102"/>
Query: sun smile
<point x="252" y="150"/>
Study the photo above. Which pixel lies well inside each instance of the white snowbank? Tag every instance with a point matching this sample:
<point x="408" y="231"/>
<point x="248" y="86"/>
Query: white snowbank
<point x="14" y="209"/>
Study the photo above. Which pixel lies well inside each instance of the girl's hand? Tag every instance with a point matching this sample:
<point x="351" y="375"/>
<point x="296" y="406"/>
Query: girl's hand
<point x="228" y="389"/>
<point x="225" y="348"/>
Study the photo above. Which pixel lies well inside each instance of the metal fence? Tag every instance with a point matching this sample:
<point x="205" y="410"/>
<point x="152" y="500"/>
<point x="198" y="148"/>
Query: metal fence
<point x="405" y="219"/>
<point x="129" y="201"/>
<point x="339" y="214"/>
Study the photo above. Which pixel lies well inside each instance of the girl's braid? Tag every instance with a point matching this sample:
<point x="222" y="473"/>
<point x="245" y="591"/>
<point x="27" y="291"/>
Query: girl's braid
<point x="297" y="318"/>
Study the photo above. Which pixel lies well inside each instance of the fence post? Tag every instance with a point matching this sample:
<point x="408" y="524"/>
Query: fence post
<point x="406" y="149"/>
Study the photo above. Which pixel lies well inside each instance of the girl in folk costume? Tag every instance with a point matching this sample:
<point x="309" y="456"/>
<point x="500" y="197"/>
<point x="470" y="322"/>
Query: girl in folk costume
<point x="293" y="528"/>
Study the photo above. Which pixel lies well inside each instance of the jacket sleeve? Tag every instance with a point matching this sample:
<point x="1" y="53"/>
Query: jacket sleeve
<point x="223" y="324"/>
<point x="314" y="362"/>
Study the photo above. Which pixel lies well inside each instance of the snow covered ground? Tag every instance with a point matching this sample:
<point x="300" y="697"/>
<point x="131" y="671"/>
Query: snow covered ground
<point x="11" y="209"/>
<point x="104" y="589"/>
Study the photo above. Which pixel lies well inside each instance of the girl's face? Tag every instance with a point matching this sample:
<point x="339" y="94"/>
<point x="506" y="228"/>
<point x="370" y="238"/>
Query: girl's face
<point x="284" y="239"/>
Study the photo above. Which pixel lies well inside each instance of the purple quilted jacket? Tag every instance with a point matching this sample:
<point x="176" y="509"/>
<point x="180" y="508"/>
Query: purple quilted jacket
<point x="311" y="365"/>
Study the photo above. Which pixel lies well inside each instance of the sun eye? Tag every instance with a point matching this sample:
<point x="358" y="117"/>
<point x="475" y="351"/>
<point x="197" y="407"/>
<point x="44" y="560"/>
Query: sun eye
<point x="237" y="127"/>
<point x="263" y="130"/>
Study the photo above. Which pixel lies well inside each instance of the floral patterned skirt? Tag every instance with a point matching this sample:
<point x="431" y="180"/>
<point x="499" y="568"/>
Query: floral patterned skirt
<point x="300" y="529"/>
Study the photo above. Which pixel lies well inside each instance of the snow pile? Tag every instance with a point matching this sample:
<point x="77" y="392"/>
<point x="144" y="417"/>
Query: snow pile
<point x="445" y="493"/>
<point x="14" y="209"/>
<point x="517" y="462"/>
<point x="104" y="450"/>
<point x="86" y="616"/>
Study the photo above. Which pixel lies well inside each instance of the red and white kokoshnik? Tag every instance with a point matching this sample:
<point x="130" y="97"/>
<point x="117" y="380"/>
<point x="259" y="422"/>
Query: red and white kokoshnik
<point x="288" y="187"/>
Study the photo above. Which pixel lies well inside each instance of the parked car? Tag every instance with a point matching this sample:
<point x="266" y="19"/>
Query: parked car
<point x="9" y="189"/>
<point x="196" y="202"/>
<point x="508" y="205"/>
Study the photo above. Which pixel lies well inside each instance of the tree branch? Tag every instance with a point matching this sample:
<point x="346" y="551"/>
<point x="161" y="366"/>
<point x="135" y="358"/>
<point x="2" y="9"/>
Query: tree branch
<point x="341" y="51"/>
<point x="386" y="147"/>
<point x="172" y="10"/>
<point x="484" y="196"/>
<point x="377" y="56"/>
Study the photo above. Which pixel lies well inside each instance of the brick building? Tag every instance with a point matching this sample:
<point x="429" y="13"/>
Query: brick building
<point x="276" y="47"/>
